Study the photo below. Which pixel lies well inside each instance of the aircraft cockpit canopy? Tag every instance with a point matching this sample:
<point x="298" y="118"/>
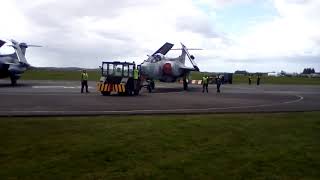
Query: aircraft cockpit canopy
<point x="157" y="57"/>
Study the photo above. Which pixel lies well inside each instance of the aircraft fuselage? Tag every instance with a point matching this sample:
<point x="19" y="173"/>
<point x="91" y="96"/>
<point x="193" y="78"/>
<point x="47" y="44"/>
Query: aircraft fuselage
<point x="165" y="70"/>
<point x="13" y="70"/>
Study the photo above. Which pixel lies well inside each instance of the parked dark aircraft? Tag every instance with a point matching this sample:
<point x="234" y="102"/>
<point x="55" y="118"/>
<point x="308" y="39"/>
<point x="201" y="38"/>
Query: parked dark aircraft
<point x="13" y="65"/>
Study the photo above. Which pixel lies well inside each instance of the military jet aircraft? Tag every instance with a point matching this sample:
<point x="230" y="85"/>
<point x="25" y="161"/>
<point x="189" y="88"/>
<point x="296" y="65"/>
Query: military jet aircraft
<point x="165" y="69"/>
<point x="13" y="65"/>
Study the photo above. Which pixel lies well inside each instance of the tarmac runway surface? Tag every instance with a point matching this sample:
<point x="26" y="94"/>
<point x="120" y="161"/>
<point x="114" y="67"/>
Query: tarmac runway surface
<point x="42" y="98"/>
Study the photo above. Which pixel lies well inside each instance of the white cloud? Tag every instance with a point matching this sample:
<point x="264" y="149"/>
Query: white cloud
<point x="214" y="4"/>
<point x="87" y="31"/>
<point x="83" y="33"/>
<point x="291" y="36"/>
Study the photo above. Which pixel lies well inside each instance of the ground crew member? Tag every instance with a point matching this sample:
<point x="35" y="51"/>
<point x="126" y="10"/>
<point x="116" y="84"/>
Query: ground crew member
<point x="205" y="82"/>
<point x="84" y="81"/>
<point x="221" y="77"/>
<point x="258" y="80"/>
<point x="218" y="82"/>
<point x="135" y="77"/>
<point x="249" y="80"/>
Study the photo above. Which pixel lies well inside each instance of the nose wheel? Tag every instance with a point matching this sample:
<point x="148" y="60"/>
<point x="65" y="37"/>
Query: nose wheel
<point x="152" y="85"/>
<point x="13" y="81"/>
<point x="185" y="83"/>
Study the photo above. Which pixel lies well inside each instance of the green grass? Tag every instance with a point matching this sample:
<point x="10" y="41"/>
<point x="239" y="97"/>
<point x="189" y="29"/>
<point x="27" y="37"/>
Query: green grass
<point x="240" y="79"/>
<point x="225" y="146"/>
<point x="58" y="75"/>
<point x="95" y="76"/>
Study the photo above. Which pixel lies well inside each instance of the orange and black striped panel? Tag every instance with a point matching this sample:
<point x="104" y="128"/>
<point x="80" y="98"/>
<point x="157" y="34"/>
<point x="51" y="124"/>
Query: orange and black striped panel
<point x="99" y="86"/>
<point x="105" y="87"/>
<point x="111" y="87"/>
<point x="115" y="87"/>
<point x="102" y="87"/>
<point x="121" y="88"/>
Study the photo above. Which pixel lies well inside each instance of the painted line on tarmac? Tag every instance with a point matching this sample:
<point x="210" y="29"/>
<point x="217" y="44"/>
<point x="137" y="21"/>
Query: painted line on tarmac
<point x="58" y="87"/>
<point x="299" y="98"/>
<point x="49" y="94"/>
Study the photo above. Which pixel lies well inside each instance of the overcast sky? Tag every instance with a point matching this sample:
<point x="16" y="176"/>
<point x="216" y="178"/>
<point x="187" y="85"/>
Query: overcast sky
<point x="253" y="35"/>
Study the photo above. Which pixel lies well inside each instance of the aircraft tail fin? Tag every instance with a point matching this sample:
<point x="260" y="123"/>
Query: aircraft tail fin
<point x="184" y="53"/>
<point x="20" y="49"/>
<point x="191" y="57"/>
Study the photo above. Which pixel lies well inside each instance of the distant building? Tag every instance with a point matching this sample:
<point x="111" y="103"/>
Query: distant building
<point x="315" y="75"/>
<point x="274" y="74"/>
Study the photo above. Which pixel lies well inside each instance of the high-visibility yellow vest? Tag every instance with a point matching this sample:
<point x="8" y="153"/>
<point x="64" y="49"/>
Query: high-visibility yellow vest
<point x="84" y="76"/>
<point x="204" y="80"/>
<point x="135" y="74"/>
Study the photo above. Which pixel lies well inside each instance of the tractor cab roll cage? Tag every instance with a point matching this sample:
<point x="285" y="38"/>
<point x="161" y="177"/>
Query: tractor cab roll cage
<point x="117" y="69"/>
<point x="118" y="77"/>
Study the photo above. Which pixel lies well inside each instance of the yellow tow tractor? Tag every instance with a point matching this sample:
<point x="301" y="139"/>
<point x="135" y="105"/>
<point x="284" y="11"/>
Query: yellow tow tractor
<point x="118" y="77"/>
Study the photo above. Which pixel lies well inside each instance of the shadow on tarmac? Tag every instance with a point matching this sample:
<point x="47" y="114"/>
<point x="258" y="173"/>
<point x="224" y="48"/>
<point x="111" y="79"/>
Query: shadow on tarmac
<point x="8" y="85"/>
<point x="173" y="89"/>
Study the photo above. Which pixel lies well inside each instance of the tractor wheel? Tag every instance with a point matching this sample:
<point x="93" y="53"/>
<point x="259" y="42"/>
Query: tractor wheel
<point x="136" y="92"/>
<point x="129" y="92"/>
<point x="13" y="81"/>
<point x="105" y="93"/>
<point x="149" y="88"/>
<point x="185" y="85"/>
<point x="152" y="84"/>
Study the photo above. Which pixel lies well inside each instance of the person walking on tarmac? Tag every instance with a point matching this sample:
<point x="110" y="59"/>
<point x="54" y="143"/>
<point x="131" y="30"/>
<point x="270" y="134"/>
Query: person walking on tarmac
<point x="218" y="82"/>
<point x="258" y="80"/>
<point x="84" y="81"/>
<point x="205" y="82"/>
<point x="249" y="79"/>
<point x="135" y="77"/>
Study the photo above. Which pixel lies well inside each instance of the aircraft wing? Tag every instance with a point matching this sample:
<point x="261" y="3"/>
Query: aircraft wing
<point x="2" y="43"/>
<point x="164" y="49"/>
<point x="188" y="69"/>
<point x="8" y="63"/>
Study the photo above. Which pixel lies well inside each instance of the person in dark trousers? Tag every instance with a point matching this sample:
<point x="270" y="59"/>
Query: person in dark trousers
<point x="218" y="82"/>
<point x="135" y="77"/>
<point x="249" y="80"/>
<point x="84" y="81"/>
<point x="205" y="83"/>
<point x="258" y="80"/>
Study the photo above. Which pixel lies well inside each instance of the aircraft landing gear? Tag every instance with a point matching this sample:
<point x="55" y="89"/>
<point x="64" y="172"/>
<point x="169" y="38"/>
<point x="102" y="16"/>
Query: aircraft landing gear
<point x="185" y="83"/>
<point x="13" y="81"/>
<point x="152" y="85"/>
<point x="149" y="87"/>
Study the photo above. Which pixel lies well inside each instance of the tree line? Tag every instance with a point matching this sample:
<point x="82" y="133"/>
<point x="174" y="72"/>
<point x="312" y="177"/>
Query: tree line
<point x="308" y="71"/>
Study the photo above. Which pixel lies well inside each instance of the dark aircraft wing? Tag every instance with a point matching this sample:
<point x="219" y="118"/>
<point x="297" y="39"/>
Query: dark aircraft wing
<point x="164" y="49"/>
<point x="2" y="43"/>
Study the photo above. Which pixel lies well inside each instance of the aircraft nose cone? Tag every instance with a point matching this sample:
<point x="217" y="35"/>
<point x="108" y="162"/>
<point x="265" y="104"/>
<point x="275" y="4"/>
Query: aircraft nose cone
<point x="167" y="69"/>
